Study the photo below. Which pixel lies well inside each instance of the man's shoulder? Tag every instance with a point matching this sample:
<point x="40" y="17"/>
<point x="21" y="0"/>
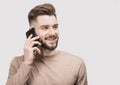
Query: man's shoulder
<point x="71" y="57"/>
<point x="18" y="59"/>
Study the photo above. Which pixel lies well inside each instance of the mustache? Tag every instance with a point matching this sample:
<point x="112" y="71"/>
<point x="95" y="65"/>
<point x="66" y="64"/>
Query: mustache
<point x="51" y="37"/>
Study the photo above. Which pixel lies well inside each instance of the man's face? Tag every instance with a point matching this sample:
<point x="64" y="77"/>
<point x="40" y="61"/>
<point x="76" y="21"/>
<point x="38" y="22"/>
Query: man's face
<point x="47" y="28"/>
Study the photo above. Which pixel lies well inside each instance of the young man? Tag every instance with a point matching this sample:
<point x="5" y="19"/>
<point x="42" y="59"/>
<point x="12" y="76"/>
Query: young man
<point x="43" y="64"/>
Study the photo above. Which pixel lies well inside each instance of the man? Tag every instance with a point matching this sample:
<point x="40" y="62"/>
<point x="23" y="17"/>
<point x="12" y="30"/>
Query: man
<point x="43" y="64"/>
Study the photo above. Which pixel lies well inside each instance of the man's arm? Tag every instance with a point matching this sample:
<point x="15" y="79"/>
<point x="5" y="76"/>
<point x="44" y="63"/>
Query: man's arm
<point x="18" y="73"/>
<point x="82" y="75"/>
<point x="20" y="70"/>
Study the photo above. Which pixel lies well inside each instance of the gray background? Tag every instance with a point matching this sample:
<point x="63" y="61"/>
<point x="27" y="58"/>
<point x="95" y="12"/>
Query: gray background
<point x="88" y="28"/>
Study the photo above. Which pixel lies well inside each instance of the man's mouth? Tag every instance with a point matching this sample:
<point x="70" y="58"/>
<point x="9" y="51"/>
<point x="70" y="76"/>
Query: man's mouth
<point x="50" y="42"/>
<point x="51" y="39"/>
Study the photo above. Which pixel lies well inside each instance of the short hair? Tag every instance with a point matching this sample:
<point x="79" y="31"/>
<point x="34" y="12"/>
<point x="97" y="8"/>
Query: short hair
<point x="44" y="9"/>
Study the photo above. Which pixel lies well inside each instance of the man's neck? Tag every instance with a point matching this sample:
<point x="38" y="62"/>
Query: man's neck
<point x="47" y="52"/>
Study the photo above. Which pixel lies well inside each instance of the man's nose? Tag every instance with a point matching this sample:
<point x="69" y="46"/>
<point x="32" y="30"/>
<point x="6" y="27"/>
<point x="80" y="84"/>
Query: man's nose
<point x="51" y="31"/>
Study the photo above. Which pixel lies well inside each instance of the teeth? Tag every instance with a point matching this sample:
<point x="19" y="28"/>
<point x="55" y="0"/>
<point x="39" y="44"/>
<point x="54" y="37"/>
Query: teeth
<point x="51" y="38"/>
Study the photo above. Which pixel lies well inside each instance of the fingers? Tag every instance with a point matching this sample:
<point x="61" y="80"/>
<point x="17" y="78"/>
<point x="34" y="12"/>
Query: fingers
<point x="36" y="49"/>
<point x="29" y="40"/>
<point x="30" y="36"/>
<point x="29" y="49"/>
<point x="35" y="43"/>
<point x="35" y="38"/>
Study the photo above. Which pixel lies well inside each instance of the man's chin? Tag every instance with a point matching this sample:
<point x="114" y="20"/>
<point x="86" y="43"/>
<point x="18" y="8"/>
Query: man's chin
<point x="48" y="47"/>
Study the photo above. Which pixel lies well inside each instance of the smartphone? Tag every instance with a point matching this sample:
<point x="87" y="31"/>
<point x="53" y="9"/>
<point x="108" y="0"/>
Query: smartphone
<point x="33" y="32"/>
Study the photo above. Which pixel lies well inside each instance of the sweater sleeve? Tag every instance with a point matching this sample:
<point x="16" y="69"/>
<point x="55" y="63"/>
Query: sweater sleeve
<point x="19" y="73"/>
<point x="82" y="75"/>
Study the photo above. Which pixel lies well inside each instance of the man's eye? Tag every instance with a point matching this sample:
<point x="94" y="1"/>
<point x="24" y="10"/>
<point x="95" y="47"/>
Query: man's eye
<point x="44" y="28"/>
<point x="55" y="27"/>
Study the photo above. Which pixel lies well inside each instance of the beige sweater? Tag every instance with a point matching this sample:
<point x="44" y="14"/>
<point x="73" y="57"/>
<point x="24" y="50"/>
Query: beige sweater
<point x="59" y="69"/>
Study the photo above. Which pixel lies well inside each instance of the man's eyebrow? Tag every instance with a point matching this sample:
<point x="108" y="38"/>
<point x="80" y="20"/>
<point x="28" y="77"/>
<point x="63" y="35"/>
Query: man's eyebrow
<point x="47" y="25"/>
<point x="55" y="24"/>
<point x="44" y="25"/>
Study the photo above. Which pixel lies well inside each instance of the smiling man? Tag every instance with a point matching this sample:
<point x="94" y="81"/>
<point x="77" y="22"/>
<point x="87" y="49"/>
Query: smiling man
<point x="47" y="28"/>
<point x="43" y="64"/>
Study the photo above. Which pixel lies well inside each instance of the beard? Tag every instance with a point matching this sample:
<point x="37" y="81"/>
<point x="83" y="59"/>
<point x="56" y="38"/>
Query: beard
<point x="46" y="46"/>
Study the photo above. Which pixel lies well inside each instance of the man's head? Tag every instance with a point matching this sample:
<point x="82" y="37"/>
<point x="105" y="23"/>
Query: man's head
<point x="43" y="18"/>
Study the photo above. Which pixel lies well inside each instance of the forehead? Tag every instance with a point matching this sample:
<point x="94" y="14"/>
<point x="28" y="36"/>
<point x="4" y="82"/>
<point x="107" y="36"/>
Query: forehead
<point x="46" y="20"/>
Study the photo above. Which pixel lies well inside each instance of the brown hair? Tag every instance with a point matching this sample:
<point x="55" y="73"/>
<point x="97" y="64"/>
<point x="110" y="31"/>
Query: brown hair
<point x="44" y="9"/>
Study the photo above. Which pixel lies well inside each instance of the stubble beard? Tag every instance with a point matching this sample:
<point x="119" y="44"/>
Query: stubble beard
<point x="46" y="46"/>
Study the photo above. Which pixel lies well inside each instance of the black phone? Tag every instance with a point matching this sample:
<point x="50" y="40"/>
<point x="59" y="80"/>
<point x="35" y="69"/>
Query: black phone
<point x="33" y="32"/>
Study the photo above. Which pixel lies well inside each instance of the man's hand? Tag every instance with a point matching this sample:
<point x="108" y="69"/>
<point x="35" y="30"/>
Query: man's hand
<point x="29" y="49"/>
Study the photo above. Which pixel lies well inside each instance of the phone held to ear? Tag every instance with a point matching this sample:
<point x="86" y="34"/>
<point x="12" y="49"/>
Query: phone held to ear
<point x="32" y="31"/>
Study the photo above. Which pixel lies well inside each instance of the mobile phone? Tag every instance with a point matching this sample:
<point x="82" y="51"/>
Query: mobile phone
<point x="33" y="32"/>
